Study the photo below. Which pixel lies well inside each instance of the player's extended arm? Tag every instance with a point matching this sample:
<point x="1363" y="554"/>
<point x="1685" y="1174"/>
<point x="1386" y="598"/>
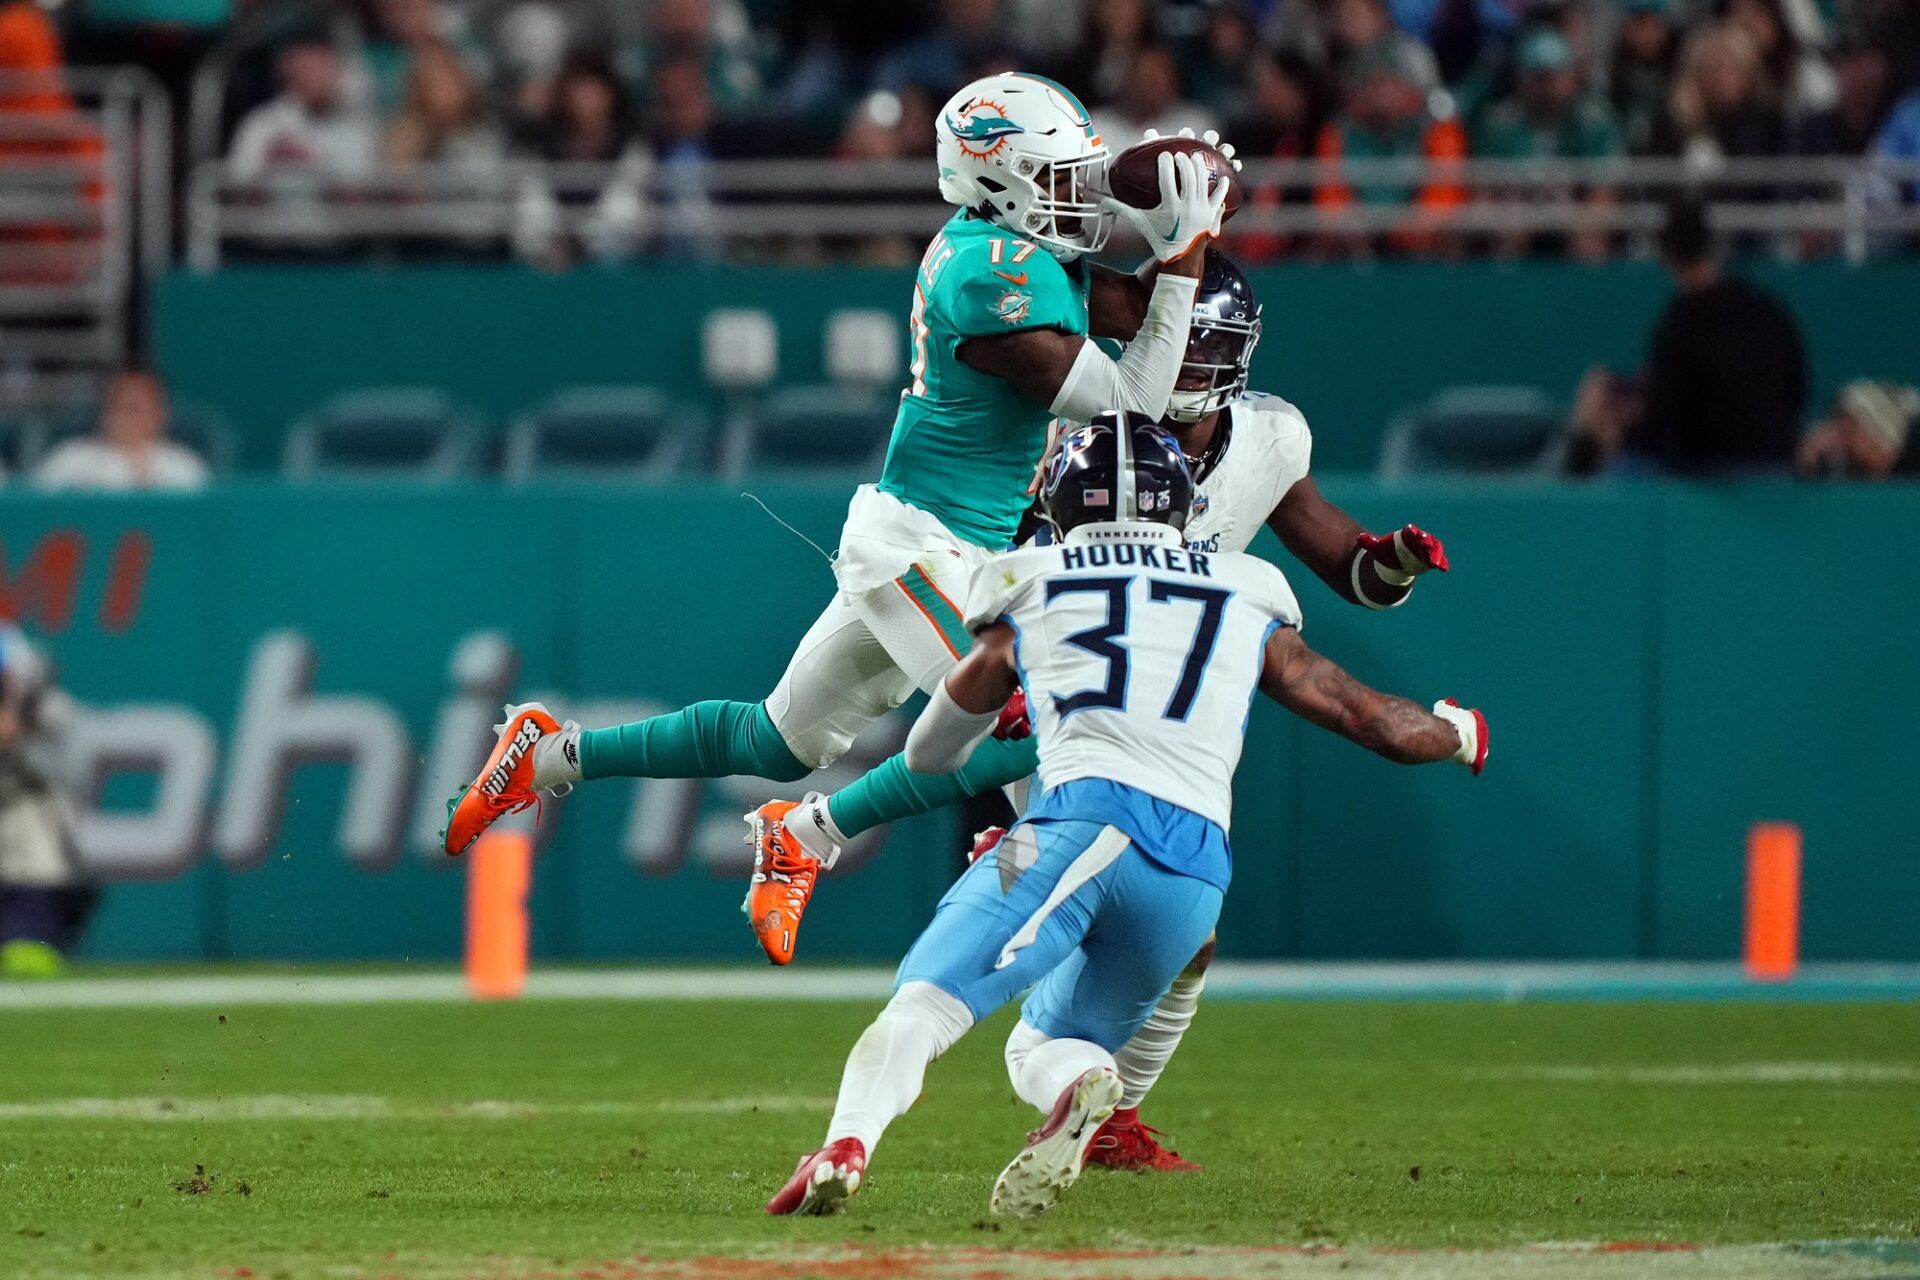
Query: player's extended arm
<point x="1117" y="300"/>
<point x="1074" y="378"/>
<point x="1317" y="689"/>
<point x="1365" y="568"/>
<point x="966" y="705"/>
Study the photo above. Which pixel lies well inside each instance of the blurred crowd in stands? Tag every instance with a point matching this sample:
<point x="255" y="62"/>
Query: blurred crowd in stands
<point x="321" y="93"/>
<point x="311" y="97"/>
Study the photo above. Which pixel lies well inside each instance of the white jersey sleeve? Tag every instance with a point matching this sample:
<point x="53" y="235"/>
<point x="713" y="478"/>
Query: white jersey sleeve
<point x="997" y="585"/>
<point x="1269" y="449"/>
<point x="1276" y="594"/>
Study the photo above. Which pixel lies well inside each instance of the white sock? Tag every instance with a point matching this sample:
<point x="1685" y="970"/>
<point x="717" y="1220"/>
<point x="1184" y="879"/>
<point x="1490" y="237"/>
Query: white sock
<point x="1042" y="1068"/>
<point x="889" y="1061"/>
<point x="813" y="827"/>
<point x="1143" y="1058"/>
<point x="556" y="759"/>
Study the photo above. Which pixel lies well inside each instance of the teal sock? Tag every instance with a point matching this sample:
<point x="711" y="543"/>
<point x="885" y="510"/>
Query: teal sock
<point x="705" y="740"/>
<point x="892" y="791"/>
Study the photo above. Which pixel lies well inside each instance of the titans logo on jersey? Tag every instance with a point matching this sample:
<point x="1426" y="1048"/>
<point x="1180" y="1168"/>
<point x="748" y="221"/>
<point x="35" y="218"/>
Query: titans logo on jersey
<point x="1267" y="451"/>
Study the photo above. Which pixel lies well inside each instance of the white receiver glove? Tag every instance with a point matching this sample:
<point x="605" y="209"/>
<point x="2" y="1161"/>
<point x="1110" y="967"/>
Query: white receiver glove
<point x="1187" y="215"/>
<point x="1211" y="137"/>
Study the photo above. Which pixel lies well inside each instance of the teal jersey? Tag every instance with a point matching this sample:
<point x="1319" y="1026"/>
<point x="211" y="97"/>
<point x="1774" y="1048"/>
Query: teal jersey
<point x="965" y="445"/>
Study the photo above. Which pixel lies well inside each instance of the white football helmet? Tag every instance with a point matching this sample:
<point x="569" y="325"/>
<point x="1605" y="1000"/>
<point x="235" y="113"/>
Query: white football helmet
<point x="1021" y="150"/>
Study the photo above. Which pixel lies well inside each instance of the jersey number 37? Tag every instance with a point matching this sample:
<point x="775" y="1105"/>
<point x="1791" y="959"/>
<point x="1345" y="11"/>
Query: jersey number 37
<point x="1104" y="641"/>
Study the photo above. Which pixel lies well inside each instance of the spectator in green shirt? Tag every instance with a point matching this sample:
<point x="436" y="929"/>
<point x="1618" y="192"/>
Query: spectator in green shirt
<point x="1551" y="117"/>
<point x="1645" y="50"/>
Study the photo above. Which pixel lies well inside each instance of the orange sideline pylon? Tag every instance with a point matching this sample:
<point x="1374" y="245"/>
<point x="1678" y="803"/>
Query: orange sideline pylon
<point x="499" y="875"/>
<point x="1773" y="901"/>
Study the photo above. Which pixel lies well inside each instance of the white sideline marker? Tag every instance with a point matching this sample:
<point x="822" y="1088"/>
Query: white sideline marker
<point x="1227" y="980"/>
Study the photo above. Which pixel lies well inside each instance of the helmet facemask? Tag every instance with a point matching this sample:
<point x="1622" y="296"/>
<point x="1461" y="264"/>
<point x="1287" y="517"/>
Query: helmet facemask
<point x="1214" y="372"/>
<point x="1057" y="203"/>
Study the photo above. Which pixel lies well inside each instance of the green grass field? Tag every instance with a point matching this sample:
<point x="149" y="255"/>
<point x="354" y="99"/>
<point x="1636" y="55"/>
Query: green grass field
<point x="631" y="1139"/>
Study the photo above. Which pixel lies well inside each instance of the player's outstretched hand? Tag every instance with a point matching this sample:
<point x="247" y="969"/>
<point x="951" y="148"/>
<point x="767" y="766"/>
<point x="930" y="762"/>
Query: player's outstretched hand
<point x="1187" y="216"/>
<point x="1404" y="554"/>
<point x="1014" y="722"/>
<point x="1472" y="728"/>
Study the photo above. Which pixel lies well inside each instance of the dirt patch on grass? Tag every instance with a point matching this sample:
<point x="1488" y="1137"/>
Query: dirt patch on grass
<point x="1613" y="1260"/>
<point x="199" y="1183"/>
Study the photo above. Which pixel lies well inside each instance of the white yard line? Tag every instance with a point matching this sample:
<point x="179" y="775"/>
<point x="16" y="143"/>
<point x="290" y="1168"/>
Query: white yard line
<point x="440" y="988"/>
<point x="354" y="1106"/>
<point x="1712" y="1073"/>
<point x="1227" y="980"/>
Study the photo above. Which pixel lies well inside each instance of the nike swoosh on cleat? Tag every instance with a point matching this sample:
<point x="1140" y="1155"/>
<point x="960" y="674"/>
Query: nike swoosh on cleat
<point x="1019" y="279"/>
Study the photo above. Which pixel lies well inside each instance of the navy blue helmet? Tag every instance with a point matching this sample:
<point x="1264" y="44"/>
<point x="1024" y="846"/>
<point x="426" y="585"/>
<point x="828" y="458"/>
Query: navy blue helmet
<point x="1119" y="467"/>
<point x="1220" y="342"/>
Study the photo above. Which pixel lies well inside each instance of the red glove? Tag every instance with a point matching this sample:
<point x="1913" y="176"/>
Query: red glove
<point x="1013" y="722"/>
<point x="1404" y="555"/>
<point x="984" y="843"/>
<point x="1472" y="728"/>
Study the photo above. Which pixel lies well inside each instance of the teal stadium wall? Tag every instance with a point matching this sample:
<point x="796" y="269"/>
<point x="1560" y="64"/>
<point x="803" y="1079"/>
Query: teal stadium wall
<point x="1662" y="666"/>
<point x="1351" y="346"/>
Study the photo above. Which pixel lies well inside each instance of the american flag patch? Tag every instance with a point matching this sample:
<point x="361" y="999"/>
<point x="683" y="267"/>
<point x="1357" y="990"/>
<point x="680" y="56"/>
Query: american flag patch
<point x="1095" y="497"/>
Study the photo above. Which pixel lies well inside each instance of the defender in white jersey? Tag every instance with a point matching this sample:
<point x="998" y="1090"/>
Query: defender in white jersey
<point x="1139" y="658"/>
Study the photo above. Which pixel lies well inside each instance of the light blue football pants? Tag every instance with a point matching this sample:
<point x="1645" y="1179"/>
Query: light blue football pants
<point x="1072" y="909"/>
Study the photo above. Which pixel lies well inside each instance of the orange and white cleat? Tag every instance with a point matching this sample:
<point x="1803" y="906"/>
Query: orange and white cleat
<point x="1123" y="1142"/>
<point x="783" y="879"/>
<point x="1056" y="1152"/>
<point x="823" y="1181"/>
<point x="505" y="784"/>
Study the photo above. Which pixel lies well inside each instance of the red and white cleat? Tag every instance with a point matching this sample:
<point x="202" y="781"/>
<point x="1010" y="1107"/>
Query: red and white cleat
<point x="1056" y="1152"/>
<point x="823" y="1181"/>
<point x="1125" y="1143"/>
<point x="505" y="783"/>
<point x="985" y="843"/>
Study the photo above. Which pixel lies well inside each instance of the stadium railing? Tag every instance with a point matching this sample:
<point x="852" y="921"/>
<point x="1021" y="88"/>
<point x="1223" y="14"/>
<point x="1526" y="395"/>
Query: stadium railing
<point x="1806" y="206"/>
<point x="85" y="215"/>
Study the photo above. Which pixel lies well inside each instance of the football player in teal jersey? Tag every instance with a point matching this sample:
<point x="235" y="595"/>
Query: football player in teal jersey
<point x="1003" y="312"/>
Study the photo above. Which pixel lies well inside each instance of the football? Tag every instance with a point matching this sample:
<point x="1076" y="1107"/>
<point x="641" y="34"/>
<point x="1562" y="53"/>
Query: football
<point x="1133" y="176"/>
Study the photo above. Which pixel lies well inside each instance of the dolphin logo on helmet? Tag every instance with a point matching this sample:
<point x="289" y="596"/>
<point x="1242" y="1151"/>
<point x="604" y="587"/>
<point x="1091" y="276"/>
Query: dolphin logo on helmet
<point x="982" y="122"/>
